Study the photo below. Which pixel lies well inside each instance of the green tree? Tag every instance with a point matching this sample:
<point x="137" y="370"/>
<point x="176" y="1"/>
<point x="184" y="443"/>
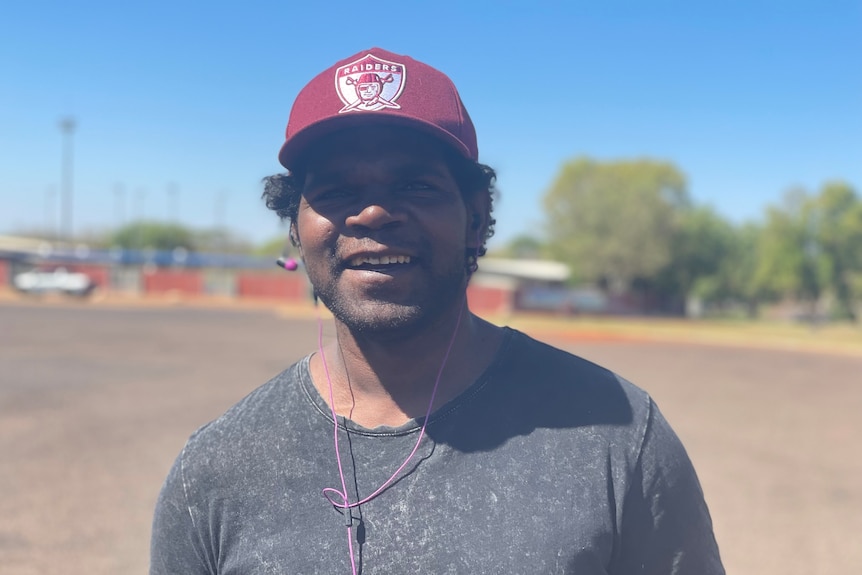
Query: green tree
<point x="812" y="246"/>
<point x="221" y="240"/>
<point x="702" y="243"/>
<point x="274" y="247"/>
<point x="152" y="235"/>
<point x="834" y="218"/>
<point x="738" y="272"/>
<point x="523" y="246"/>
<point x="615" y="221"/>
<point x="731" y="283"/>
<point x="791" y="262"/>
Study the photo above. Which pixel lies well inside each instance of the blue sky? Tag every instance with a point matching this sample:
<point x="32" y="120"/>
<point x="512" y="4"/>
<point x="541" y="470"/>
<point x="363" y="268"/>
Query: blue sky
<point x="746" y="98"/>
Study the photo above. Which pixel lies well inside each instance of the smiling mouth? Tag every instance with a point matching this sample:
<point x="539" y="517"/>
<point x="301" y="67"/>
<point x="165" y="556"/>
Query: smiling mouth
<point x="368" y="261"/>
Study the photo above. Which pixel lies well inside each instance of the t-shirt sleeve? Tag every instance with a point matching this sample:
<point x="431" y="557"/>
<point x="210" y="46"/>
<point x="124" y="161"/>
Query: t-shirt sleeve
<point x="666" y="527"/>
<point x="176" y="542"/>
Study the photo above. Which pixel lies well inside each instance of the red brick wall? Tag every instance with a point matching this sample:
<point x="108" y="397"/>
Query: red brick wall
<point x="181" y="281"/>
<point x="489" y="300"/>
<point x="272" y="286"/>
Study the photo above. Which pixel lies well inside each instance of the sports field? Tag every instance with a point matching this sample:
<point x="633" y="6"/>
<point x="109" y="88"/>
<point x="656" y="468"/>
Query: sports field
<point x="96" y="401"/>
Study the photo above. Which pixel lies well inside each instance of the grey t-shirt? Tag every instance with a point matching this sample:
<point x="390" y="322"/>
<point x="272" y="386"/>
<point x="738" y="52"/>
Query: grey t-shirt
<point x="546" y="464"/>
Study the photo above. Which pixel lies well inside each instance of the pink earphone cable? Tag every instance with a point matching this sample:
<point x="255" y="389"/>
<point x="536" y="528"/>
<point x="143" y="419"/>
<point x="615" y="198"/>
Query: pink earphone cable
<point x="329" y="493"/>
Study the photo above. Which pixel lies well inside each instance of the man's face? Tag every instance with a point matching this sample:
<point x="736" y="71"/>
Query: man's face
<point x="368" y="91"/>
<point x="383" y="229"/>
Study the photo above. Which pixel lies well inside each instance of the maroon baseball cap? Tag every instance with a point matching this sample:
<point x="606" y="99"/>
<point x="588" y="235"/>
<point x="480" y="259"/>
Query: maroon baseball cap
<point x="376" y="86"/>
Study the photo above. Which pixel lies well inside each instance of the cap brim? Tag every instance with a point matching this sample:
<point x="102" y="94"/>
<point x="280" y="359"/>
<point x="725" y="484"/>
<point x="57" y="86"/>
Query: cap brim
<point x="292" y="150"/>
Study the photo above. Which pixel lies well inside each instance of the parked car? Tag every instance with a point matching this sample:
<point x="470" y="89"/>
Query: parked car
<point x="59" y="280"/>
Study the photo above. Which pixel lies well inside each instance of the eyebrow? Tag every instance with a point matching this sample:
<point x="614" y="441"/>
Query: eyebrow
<point x="408" y="170"/>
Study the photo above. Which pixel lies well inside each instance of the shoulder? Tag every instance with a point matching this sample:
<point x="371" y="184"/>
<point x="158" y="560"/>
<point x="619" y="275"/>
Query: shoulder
<point x="558" y="389"/>
<point x="250" y="424"/>
<point x="588" y="407"/>
<point x="560" y="382"/>
<point x="538" y="394"/>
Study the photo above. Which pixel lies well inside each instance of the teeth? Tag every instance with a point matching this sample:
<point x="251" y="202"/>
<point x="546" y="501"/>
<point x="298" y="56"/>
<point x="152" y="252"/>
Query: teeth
<point x="383" y="260"/>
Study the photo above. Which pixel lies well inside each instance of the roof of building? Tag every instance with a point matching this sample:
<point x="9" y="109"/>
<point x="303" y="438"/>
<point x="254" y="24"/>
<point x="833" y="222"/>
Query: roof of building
<point x="542" y="270"/>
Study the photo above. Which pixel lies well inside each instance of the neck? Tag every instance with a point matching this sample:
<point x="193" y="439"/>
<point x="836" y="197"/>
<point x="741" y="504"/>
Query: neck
<point x="388" y="381"/>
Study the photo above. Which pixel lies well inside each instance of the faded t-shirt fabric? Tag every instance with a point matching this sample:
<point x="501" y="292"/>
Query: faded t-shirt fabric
<point x="546" y="464"/>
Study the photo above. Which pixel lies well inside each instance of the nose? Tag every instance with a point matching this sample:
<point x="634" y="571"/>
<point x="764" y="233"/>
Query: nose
<point x="375" y="216"/>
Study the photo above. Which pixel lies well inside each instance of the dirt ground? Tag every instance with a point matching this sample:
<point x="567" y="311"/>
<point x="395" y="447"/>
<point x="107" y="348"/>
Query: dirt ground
<point x="96" y="402"/>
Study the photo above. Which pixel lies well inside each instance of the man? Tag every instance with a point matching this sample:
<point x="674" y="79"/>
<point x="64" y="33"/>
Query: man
<point x="423" y="439"/>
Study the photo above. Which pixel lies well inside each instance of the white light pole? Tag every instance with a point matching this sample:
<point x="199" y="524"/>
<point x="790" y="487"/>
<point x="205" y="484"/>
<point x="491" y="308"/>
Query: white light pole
<point x="51" y="213"/>
<point x="67" y="127"/>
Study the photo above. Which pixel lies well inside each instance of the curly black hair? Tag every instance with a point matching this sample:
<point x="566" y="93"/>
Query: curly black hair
<point x="282" y="192"/>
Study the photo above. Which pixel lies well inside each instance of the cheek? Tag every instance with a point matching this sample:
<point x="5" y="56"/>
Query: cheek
<point x="453" y="238"/>
<point x="461" y="229"/>
<point x="314" y="232"/>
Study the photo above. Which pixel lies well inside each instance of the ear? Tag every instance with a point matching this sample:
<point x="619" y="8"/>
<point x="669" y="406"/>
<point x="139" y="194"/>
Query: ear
<point x="294" y="236"/>
<point x="477" y="219"/>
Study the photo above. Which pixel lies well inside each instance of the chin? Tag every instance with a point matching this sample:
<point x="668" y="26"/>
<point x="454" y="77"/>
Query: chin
<point x="391" y="320"/>
<point x="383" y="313"/>
<point x="379" y="317"/>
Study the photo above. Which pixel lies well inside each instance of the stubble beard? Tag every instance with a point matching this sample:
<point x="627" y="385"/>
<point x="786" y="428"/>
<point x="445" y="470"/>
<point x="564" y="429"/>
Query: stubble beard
<point x="383" y="318"/>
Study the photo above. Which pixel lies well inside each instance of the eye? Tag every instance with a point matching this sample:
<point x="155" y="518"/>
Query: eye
<point x="329" y="195"/>
<point x="420" y="188"/>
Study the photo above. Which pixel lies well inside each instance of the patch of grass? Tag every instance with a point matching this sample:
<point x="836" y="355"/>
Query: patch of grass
<point x="840" y="338"/>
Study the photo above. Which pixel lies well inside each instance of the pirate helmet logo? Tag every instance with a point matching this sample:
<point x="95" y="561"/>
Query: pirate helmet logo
<point x="369" y="84"/>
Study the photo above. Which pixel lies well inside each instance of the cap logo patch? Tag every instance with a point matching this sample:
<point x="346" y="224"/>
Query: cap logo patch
<point x="369" y="84"/>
